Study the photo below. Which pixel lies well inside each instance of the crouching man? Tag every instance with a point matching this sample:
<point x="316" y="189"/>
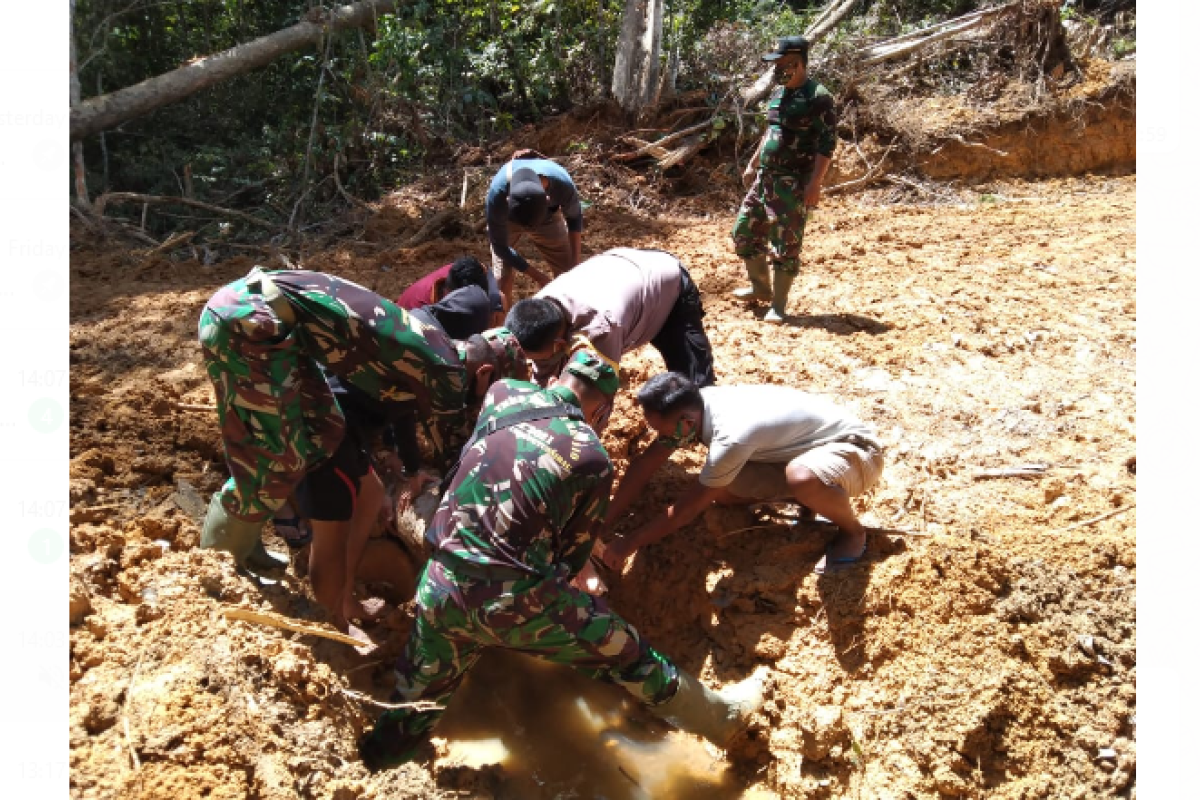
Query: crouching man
<point x="765" y="443"/>
<point x="516" y="524"/>
<point x="270" y="339"/>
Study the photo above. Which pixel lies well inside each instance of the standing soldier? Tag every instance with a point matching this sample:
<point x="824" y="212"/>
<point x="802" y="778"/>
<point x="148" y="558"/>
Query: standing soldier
<point x="791" y="163"/>
<point x="517" y="523"/>
<point x="265" y="339"/>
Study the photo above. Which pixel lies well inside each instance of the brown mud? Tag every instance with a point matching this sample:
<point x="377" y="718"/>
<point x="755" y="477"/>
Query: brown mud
<point x="985" y="649"/>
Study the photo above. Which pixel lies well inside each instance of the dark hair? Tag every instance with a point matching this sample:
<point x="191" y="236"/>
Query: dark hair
<point x="669" y="392"/>
<point x="466" y="271"/>
<point x="478" y="353"/>
<point x="527" y="202"/>
<point x="535" y="322"/>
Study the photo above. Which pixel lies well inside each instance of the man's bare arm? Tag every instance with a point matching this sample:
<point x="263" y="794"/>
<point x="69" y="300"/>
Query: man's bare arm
<point x="576" y="239"/>
<point x="812" y="193"/>
<point x="752" y="166"/>
<point x="694" y="501"/>
<point x="639" y="472"/>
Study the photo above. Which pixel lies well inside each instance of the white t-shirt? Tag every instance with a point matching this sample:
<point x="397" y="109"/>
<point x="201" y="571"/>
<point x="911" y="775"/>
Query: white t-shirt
<point x="767" y="423"/>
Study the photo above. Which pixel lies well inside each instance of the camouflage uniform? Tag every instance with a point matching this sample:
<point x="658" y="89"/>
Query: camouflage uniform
<point x="264" y="356"/>
<point x="516" y="524"/>
<point x="801" y="124"/>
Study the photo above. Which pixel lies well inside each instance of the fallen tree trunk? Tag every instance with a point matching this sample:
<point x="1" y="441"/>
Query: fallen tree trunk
<point x="106" y="111"/>
<point x="918" y="40"/>
<point x="830" y="17"/>
<point x="149" y="199"/>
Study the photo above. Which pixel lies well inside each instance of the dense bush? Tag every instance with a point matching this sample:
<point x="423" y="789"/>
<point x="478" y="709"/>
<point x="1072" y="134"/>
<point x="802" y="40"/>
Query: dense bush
<point x="410" y="89"/>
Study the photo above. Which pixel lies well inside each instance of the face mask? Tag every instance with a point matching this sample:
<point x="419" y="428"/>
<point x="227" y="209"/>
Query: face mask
<point x="678" y="438"/>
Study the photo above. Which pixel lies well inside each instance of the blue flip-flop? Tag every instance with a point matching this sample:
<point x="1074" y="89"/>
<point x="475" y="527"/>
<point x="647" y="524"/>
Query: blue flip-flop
<point x="838" y="563"/>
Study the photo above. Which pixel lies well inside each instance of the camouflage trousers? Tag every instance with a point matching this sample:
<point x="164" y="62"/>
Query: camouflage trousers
<point x="773" y="216"/>
<point x="277" y="414"/>
<point x="457" y="617"/>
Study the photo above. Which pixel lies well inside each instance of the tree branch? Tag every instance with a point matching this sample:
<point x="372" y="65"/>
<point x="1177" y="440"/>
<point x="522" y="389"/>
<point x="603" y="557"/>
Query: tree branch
<point x="100" y="113"/>
<point x="130" y="197"/>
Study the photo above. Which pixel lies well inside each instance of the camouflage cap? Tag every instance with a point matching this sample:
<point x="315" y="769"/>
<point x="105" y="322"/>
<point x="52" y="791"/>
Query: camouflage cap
<point x="588" y="366"/>
<point x="510" y="358"/>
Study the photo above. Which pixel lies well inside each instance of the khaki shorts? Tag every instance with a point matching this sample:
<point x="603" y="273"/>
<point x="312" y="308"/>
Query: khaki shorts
<point x="550" y="239"/>
<point x="853" y="468"/>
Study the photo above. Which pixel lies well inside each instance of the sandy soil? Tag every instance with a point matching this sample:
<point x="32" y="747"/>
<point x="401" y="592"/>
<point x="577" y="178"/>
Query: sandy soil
<point x="986" y="648"/>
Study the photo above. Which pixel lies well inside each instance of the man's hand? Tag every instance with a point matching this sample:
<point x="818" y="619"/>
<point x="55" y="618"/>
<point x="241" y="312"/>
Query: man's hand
<point x="812" y="194"/>
<point x="409" y="489"/>
<point x="537" y="276"/>
<point x="615" y="555"/>
<point x="391" y="463"/>
<point x="588" y="580"/>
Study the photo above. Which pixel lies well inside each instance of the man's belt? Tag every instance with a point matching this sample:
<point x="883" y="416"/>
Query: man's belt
<point x="482" y="572"/>
<point x="259" y="281"/>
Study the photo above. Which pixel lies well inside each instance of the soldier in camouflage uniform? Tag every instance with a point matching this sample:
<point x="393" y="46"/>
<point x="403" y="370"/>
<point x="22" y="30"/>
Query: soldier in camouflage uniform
<point x="791" y="163"/>
<point x="265" y="339"/>
<point x="517" y="523"/>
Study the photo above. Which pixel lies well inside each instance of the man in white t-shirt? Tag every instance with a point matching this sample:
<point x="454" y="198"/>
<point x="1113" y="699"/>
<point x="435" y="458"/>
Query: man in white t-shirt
<point x="765" y="443"/>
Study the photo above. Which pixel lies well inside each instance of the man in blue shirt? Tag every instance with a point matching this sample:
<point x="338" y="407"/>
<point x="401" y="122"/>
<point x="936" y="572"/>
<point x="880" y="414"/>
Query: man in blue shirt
<point x="536" y="198"/>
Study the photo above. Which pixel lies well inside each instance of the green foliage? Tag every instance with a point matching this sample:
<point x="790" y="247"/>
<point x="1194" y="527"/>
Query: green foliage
<point x="1123" y="46"/>
<point x="411" y="88"/>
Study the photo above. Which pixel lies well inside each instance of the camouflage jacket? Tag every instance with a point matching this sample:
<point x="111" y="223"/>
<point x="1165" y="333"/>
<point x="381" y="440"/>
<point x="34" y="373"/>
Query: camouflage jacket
<point x="532" y="496"/>
<point x="373" y="343"/>
<point x="801" y="124"/>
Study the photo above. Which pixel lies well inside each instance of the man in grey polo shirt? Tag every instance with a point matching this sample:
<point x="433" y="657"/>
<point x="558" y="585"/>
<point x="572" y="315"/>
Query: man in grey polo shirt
<point x="765" y="443"/>
<point x="613" y="303"/>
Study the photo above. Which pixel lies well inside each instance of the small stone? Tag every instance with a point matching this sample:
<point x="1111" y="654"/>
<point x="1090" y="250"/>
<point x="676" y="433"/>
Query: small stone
<point x="97" y="627"/>
<point x="147" y="612"/>
<point x="1106" y="752"/>
<point x="1088" y="645"/>
<point x="80" y="603"/>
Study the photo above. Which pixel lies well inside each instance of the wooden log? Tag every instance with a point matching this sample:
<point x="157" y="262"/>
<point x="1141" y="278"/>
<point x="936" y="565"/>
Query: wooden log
<point x="148" y="199"/>
<point x="107" y="111"/>
<point x="283" y="623"/>
<point x="918" y="40"/>
<point x="431" y="228"/>
<point x="661" y="143"/>
<point x="829" y="19"/>
<point x="1022" y="471"/>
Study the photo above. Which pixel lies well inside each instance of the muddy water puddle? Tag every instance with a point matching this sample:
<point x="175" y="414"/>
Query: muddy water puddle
<point x="557" y="734"/>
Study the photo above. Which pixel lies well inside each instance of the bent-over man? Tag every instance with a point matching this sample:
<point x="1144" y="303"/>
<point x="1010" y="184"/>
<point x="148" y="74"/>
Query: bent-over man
<point x="765" y="444"/>
<point x="463" y="271"/>
<point x="617" y="301"/>
<point x="266" y="340"/>
<point x="533" y="197"/>
<point x="516" y="524"/>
